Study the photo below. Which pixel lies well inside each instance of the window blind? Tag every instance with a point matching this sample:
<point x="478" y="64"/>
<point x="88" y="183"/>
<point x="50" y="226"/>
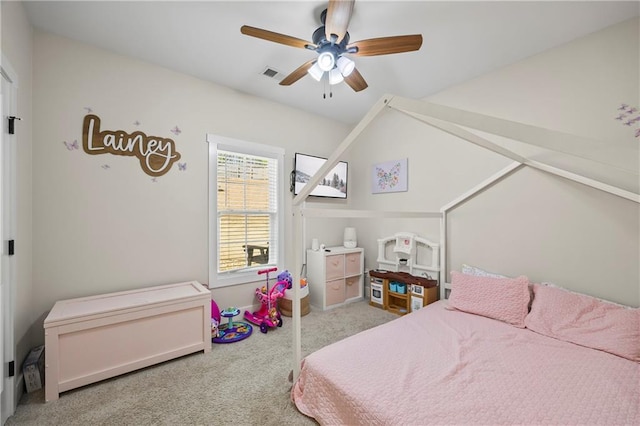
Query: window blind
<point x="247" y="210"/>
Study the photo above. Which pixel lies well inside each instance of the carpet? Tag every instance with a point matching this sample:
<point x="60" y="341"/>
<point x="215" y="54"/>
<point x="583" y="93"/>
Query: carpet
<point x="244" y="383"/>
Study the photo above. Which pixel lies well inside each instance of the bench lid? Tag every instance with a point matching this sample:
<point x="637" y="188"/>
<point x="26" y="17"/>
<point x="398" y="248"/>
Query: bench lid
<point x="64" y="310"/>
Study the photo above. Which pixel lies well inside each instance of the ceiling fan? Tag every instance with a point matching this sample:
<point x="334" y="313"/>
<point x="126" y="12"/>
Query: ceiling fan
<point x="331" y="42"/>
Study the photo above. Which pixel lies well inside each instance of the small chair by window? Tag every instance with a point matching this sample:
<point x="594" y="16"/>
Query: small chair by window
<point x="257" y="254"/>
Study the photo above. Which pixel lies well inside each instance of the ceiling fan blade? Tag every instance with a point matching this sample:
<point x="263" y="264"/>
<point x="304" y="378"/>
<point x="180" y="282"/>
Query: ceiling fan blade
<point x="355" y="81"/>
<point x="338" y="17"/>
<point x="275" y="37"/>
<point x="387" y="45"/>
<point x="300" y="72"/>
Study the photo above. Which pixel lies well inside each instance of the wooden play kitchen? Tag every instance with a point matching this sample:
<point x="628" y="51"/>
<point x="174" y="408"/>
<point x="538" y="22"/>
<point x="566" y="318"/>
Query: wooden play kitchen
<point x="403" y="282"/>
<point x="403" y="293"/>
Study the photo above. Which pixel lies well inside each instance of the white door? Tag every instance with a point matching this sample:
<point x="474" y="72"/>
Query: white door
<point x="7" y="229"/>
<point x="3" y="409"/>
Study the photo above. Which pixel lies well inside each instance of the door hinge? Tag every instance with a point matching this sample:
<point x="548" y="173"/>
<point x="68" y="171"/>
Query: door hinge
<point x="12" y="120"/>
<point x="12" y="369"/>
<point x="12" y="247"/>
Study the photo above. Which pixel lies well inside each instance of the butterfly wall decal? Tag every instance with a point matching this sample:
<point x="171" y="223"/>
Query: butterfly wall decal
<point x="182" y="167"/>
<point x="176" y="131"/>
<point x="71" y="145"/>
<point x="387" y="180"/>
<point x="390" y="176"/>
<point x="626" y="117"/>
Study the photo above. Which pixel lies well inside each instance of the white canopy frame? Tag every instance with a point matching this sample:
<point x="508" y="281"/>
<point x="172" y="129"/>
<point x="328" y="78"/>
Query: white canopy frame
<point x="449" y="120"/>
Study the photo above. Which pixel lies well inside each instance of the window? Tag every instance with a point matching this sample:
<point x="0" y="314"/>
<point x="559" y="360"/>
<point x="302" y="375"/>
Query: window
<point x="245" y="209"/>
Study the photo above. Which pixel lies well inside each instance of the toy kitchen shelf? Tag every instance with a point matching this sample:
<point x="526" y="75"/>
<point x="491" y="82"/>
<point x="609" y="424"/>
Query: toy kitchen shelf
<point x="398" y="303"/>
<point x="408" y="252"/>
<point x="402" y="292"/>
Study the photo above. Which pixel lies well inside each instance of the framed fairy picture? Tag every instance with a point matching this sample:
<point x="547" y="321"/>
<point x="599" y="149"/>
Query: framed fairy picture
<point x="390" y="176"/>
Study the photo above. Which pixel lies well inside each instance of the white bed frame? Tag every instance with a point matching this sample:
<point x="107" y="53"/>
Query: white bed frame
<point x="449" y="120"/>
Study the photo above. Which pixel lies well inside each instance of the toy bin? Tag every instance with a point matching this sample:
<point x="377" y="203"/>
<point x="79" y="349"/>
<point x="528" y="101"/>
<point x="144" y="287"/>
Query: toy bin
<point x="285" y="303"/>
<point x="94" y="338"/>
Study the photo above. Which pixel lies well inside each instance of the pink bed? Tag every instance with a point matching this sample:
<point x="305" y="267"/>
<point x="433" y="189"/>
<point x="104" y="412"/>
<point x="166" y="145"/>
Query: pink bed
<point x="442" y="366"/>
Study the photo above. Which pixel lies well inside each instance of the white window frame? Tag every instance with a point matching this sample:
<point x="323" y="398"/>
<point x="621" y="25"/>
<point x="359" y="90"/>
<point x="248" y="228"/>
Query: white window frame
<point x="216" y="142"/>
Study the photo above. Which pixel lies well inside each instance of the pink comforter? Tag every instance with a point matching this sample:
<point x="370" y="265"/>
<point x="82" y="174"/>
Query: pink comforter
<point x="437" y="366"/>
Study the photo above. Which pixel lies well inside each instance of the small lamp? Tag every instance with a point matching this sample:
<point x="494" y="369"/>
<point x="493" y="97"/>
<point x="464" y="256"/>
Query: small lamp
<point x="326" y="61"/>
<point x="345" y="65"/>
<point x="316" y="72"/>
<point x="335" y="76"/>
<point x="350" y="240"/>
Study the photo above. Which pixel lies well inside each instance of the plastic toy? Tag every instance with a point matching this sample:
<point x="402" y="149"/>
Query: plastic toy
<point x="232" y="331"/>
<point x="268" y="316"/>
<point x="285" y="276"/>
<point x="215" y="319"/>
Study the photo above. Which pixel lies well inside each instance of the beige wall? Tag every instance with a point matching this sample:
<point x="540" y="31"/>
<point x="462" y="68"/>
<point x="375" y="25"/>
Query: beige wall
<point x="99" y="230"/>
<point x="534" y="224"/>
<point x="17" y="49"/>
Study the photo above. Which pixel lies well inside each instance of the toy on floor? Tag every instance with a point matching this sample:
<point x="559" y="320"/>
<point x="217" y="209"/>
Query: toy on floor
<point x="232" y="331"/>
<point x="268" y="316"/>
<point x="215" y="319"/>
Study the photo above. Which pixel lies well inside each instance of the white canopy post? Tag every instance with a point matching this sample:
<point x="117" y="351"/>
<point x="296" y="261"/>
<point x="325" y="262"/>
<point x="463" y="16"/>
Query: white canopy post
<point x="551" y="140"/>
<point x="299" y="216"/>
<point x="446" y="116"/>
<point x="298" y="230"/>
<point x="444" y="210"/>
<point x="621" y="162"/>
<point x="341" y="149"/>
<point x="295" y="303"/>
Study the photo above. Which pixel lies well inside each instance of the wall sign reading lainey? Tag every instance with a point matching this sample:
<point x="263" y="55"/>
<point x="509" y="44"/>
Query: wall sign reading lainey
<point x="156" y="154"/>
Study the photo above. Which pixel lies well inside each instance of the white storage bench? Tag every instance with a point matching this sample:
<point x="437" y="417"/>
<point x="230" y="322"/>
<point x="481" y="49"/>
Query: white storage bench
<point x="94" y="338"/>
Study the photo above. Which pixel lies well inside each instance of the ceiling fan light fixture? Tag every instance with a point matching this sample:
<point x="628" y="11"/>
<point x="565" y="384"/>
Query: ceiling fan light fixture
<point x="315" y="72"/>
<point x="335" y="76"/>
<point x="346" y="65"/>
<point x="332" y="40"/>
<point x="326" y="61"/>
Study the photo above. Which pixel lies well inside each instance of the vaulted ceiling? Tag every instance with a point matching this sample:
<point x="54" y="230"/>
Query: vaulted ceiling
<point x="462" y="40"/>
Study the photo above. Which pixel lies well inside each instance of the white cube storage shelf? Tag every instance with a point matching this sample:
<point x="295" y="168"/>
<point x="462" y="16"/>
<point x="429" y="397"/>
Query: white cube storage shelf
<point x="335" y="276"/>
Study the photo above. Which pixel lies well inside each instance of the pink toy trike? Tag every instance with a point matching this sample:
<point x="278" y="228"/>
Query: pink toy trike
<point x="268" y="315"/>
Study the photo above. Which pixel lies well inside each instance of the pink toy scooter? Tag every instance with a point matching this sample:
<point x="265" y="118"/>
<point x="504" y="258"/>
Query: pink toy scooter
<point x="268" y="315"/>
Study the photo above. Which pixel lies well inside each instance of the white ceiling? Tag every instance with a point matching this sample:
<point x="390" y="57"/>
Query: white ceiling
<point x="462" y="40"/>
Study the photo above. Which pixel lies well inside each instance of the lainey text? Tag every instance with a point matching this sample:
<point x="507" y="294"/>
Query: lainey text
<point x="156" y="154"/>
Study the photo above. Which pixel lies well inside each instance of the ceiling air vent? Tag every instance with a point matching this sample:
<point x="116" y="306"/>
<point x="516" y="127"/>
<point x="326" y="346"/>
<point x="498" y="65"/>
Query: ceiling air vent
<point x="272" y="73"/>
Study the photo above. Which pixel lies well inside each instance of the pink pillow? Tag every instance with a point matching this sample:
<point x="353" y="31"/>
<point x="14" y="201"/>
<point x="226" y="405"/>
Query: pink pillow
<point x="504" y="299"/>
<point x="585" y="321"/>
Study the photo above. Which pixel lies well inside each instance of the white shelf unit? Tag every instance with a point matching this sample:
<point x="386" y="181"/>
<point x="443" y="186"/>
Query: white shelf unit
<point x="335" y="276"/>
